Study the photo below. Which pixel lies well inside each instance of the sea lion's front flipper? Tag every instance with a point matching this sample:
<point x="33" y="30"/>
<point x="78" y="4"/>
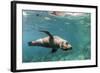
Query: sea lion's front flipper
<point x="48" y="33"/>
<point x="53" y="50"/>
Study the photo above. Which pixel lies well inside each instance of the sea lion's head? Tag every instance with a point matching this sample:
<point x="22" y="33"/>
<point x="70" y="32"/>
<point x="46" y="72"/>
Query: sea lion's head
<point x="66" y="46"/>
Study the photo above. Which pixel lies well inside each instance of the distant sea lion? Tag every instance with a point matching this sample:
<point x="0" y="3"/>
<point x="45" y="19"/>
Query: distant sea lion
<point x="51" y="41"/>
<point x="60" y="13"/>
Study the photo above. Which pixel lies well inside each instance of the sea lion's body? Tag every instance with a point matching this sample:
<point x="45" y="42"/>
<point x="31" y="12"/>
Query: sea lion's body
<point x="50" y="41"/>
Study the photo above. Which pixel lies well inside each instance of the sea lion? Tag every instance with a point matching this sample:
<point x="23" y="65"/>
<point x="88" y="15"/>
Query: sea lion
<point x="51" y="41"/>
<point x="61" y="13"/>
<point x="58" y="13"/>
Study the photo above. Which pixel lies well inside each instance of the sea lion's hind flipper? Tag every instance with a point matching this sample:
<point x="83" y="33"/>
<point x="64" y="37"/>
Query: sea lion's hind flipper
<point x="48" y="33"/>
<point x="53" y="50"/>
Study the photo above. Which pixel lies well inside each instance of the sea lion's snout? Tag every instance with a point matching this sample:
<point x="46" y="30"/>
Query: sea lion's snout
<point x="67" y="46"/>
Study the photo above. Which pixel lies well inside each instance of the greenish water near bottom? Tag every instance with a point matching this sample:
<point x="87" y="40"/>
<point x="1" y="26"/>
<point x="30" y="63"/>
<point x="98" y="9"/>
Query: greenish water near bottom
<point x="74" y="29"/>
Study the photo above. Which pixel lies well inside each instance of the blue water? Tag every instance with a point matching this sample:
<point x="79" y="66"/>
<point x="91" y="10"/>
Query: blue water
<point x="74" y="29"/>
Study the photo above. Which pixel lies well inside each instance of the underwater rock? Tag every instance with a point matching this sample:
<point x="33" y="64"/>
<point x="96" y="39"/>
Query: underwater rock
<point x="37" y="14"/>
